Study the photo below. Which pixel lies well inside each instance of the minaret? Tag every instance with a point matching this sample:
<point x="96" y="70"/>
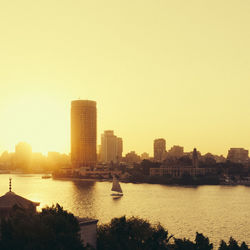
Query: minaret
<point x="10" y="184"/>
<point x="195" y="159"/>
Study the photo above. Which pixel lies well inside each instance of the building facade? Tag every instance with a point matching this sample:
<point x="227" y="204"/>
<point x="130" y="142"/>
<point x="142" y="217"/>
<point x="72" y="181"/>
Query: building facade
<point x="238" y="155"/>
<point x="132" y="157"/>
<point x="111" y="147"/>
<point x="119" y="149"/>
<point x="83" y="133"/>
<point x="179" y="171"/>
<point x="176" y="151"/>
<point x="159" y="149"/>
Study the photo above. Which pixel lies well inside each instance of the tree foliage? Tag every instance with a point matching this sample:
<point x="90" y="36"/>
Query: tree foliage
<point x="232" y="245"/>
<point x="138" y="234"/>
<point x="133" y="233"/>
<point x="53" y="228"/>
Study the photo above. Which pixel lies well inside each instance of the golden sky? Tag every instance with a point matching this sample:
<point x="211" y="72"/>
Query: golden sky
<point x="161" y="68"/>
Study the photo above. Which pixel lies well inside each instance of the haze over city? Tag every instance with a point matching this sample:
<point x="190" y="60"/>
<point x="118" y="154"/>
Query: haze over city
<point x="176" y="70"/>
<point x="125" y="125"/>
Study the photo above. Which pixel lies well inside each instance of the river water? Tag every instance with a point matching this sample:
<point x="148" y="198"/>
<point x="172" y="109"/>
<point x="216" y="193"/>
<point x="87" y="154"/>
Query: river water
<point x="216" y="211"/>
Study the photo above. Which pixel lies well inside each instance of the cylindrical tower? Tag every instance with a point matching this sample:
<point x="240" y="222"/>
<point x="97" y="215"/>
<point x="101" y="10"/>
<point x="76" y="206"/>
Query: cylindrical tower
<point x="83" y="133"/>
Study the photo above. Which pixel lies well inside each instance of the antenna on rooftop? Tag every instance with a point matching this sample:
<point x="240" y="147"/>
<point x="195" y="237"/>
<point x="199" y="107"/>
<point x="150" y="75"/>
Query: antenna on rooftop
<point x="10" y="184"/>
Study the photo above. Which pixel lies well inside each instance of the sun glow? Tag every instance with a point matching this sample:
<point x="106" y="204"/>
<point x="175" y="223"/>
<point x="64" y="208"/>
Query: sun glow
<point x="38" y="121"/>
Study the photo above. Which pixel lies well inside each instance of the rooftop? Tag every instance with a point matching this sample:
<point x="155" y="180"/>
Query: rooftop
<point x="11" y="199"/>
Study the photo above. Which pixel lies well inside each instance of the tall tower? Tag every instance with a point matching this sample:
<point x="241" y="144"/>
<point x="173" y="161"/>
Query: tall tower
<point x="83" y="133"/>
<point x="159" y="149"/>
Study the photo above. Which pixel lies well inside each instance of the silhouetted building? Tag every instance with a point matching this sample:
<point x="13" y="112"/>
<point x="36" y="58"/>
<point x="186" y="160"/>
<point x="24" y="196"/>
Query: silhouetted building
<point x="111" y="147"/>
<point x="83" y="133"/>
<point x="159" y="149"/>
<point x="176" y="151"/>
<point x="119" y="148"/>
<point x="238" y="155"/>
<point x="144" y="156"/>
<point x="179" y="171"/>
<point x="132" y="157"/>
<point x="10" y="199"/>
<point x="195" y="159"/>
<point x="23" y="155"/>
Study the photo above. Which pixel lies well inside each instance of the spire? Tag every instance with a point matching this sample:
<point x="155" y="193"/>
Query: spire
<point x="10" y="184"/>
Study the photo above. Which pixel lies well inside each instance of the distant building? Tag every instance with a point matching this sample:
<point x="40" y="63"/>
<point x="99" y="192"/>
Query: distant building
<point x="145" y="156"/>
<point x="119" y="148"/>
<point x="23" y="155"/>
<point x="83" y="133"/>
<point x="132" y="157"/>
<point x="176" y="151"/>
<point x="111" y="147"/>
<point x="179" y="171"/>
<point x="219" y="158"/>
<point x="159" y="149"/>
<point x="238" y="155"/>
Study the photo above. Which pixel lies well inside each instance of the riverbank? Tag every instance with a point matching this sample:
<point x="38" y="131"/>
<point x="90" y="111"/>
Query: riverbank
<point x="172" y="183"/>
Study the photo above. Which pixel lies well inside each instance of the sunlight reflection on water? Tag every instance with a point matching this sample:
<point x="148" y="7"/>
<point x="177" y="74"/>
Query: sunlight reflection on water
<point x="217" y="211"/>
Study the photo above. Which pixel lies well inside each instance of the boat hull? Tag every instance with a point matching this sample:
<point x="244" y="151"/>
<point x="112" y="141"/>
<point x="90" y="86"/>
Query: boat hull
<point x="116" y="195"/>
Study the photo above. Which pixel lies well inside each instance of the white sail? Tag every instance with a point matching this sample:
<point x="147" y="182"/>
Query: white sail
<point x="116" y="186"/>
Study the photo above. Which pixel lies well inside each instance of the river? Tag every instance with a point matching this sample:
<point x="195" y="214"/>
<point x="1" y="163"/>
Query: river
<point x="216" y="211"/>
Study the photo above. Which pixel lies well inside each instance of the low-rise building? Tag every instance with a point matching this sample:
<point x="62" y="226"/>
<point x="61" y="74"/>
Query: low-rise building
<point x="176" y="151"/>
<point x="10" y="199"/>
<point x="179" y="171"/>
<point x="88" y="231"/>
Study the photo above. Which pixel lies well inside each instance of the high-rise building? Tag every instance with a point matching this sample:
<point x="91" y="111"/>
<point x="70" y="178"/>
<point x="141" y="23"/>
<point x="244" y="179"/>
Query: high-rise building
<point x="159" y="149"/>
<point x="111" y="147"/>
<point x="119" y="148"/>
<point x="23" y="155"/>
<point x="83" y="133"/>
<point x="238" y="155"/>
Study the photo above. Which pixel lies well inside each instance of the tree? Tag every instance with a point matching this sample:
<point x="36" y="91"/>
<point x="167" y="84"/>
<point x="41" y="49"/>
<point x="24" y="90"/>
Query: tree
<point x="183" y="244"/>
<point x="232" y="245"/>
<point x="201" y="243"/>
<point x="53" y="228"/>
<point x="133" y="233"/>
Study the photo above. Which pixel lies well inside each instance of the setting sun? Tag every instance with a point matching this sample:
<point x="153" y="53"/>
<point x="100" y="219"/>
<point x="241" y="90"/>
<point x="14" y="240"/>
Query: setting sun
<point x="40" y="121"/>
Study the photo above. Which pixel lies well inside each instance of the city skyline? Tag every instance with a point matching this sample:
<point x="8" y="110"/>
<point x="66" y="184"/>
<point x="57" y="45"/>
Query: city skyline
<point x="174" y="70"/>
<point x="79" y="102"/>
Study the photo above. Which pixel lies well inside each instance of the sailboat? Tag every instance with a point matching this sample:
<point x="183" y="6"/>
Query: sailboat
<point x="116" y="187"/>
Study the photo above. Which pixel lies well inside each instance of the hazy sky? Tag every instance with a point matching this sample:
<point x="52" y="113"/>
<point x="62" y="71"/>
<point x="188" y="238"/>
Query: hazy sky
<point x="173" y="69"/>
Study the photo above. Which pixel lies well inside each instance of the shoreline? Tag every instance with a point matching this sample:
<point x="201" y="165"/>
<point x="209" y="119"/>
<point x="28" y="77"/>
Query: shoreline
<point x="121" y="181"/>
